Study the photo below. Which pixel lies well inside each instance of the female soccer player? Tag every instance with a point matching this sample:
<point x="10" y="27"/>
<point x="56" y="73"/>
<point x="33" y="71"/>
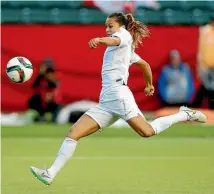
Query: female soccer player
<point x="116" y="100"/>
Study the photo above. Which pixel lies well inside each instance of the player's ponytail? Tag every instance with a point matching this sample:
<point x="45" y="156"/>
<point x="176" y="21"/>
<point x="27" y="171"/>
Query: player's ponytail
<point x="137" y="29"/>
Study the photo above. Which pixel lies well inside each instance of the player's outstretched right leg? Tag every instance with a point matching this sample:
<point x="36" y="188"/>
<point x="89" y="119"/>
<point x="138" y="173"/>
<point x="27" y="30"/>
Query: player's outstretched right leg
<point x="145" y="129"/>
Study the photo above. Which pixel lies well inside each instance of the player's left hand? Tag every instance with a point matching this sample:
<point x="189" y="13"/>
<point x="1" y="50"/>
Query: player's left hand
<point x="93" y="43"/>
<point x="149" y="90"/>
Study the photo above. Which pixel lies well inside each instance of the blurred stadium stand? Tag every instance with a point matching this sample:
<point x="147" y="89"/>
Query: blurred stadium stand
<point x="74" y="12"/>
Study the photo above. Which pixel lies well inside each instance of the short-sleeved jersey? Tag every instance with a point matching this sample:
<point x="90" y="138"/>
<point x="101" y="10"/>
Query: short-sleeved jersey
<point x="117" y="60"/>
<point x="134" y="58"/>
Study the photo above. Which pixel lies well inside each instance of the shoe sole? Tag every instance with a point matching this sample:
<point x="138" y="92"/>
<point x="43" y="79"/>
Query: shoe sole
<point x="39" y="177"/>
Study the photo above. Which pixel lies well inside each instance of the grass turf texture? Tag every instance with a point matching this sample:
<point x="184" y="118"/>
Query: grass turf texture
<point x="115" y="161"/>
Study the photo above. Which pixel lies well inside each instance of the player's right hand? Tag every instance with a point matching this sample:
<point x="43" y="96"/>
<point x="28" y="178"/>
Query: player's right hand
<point x="93" y="43"/>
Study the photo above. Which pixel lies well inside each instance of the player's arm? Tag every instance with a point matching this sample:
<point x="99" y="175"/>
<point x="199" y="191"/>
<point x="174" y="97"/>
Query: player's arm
<point x="108" y="41"/>
<point x="145" y="68"/>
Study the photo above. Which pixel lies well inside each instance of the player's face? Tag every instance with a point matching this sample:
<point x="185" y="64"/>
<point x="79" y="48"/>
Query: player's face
<point x="111" y="26"/>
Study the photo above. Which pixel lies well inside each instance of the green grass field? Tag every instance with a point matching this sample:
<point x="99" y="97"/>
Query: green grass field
<point x="115" y="161"/>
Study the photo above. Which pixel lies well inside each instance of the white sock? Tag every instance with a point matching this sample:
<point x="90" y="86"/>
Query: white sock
<point x="65" y="153"/>
<point x="164" y="123"/>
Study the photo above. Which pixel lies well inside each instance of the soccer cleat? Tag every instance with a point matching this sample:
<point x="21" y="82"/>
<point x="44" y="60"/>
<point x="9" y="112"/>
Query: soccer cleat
<point x="194" y="115"/>
<point x="42" y="175"/>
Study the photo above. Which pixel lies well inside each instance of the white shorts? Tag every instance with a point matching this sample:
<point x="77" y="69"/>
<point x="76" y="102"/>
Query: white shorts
<point x="108" y="112"/>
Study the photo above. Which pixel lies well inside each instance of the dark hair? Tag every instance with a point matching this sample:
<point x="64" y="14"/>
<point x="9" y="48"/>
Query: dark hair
<point x="137" y="29"/>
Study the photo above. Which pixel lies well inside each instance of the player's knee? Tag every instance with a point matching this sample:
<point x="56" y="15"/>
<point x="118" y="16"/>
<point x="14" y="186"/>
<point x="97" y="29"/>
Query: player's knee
<point x="148" y="133"/>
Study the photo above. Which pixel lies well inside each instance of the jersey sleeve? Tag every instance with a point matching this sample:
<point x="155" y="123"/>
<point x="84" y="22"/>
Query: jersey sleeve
<point x="124" y="37"/>
<point x="134" y="58"/>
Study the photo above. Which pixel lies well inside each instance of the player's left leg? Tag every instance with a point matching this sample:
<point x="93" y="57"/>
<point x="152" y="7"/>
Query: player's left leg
<point x="93" y="120"/>
<point x="86" y="125"/>
<point x="145" y="129"/>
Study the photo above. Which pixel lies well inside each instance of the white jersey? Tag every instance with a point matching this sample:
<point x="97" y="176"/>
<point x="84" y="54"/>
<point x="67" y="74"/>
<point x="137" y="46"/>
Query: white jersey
<point x="116" y="63"/>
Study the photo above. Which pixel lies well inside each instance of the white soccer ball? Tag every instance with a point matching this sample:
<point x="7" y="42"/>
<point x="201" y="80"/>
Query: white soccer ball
<point x="19" y="69"/>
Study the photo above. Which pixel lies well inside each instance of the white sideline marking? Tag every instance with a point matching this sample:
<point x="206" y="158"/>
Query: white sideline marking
<point x="48" y="139"/>
<point x="113" y="157"/>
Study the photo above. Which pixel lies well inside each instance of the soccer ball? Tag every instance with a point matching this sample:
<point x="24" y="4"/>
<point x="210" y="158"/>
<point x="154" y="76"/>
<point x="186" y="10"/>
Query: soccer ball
<point x="19" y="69"/>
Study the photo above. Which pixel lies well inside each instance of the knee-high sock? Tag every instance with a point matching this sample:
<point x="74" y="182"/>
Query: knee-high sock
<point x="163" y="123"/>
<point x="65" y="153"/>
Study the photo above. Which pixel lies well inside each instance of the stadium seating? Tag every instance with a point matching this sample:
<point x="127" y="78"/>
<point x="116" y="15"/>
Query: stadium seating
<point x="170" y="12"/>
<point x="171" y="5"/>
<point x="42" y="4"/>
<point x="150" y="16"/>
<point x="11" y="15"/>
<point x="174" y="17"/>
